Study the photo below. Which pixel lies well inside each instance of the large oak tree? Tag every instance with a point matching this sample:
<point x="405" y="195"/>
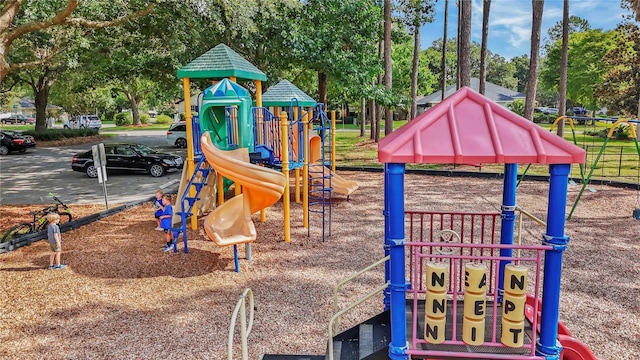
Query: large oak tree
<point x="16" y="22"/>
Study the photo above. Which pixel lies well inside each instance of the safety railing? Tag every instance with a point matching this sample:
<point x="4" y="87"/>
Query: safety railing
<point x="333" y="322"/>
<point x="245" y="329"/>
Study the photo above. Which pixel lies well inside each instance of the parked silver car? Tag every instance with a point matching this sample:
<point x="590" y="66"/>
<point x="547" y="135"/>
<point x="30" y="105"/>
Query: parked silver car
<point x="177" y="134"/>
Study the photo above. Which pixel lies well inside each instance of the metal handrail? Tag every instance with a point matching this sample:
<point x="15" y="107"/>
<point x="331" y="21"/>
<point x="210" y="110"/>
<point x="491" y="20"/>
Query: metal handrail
<point x="351" y="277"/>
<point x="520" y="217"/>
<point x="337" y="315"/>
<point x="244" y="331"/>
<point x="531" y="216"/>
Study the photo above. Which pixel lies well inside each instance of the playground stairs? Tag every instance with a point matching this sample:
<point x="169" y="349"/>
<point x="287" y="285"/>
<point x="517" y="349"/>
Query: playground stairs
<point x="198" y="181"/>
<point x="366" y="341"/>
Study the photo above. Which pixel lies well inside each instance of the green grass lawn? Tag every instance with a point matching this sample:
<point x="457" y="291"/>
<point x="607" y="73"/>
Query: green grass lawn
<point x="150" y="126"/>
<point x="619" y="160"/>
<point x="17" y="127"/>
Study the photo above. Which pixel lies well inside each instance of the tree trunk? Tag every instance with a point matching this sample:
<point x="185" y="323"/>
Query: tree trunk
<point x="465" y="44"/>
<point x="372" y="119"/>
<point x="458" y="44"/>
<point x="376" y="135"/>
<point x="443" y="65"/>
<point x="638" y="117"/>
<point x="133" y="104"/>
<point x="562" y="87"/>
<point x="4" y="66"/>
<point x="363" y="115"/>
<point x="486" y="6"/>
<point x="388" y="71"/>
<point x="41" y="97"/>
<point x="532" y="80"/>
<point x="322" y="88"/>
<point x="413" y="112"/>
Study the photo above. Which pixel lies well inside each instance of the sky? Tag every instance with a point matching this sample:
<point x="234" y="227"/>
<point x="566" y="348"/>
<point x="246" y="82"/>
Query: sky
<point x="510" y="22"/>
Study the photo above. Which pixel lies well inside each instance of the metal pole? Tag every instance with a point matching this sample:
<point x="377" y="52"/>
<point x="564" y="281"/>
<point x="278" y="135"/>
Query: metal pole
<point x="394" y="238"/>
<point x="553" y="260"/>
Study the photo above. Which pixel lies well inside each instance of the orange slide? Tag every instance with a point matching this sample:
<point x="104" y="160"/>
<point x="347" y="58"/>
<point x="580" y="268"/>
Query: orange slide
<point x="230" y="223"/>
<point x="338" y="183"/>
<point x="317" y="171"/>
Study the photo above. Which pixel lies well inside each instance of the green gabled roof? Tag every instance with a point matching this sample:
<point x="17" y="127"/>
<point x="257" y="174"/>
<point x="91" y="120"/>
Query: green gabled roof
<point x="281" y="94"/>
<point x="221" y="62"/>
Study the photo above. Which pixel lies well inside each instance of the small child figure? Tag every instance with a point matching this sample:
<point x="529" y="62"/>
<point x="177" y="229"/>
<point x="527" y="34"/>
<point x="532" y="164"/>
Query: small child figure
<point x="158" y="208"/>
<point x="55" y="241"/>
<point x="166" y="221"/>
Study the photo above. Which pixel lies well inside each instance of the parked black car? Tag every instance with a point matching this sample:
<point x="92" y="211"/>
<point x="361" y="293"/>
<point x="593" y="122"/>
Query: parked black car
<point x="19" y="119"/>
<point x="15" y="141"/>
<point x="128" y="157"/>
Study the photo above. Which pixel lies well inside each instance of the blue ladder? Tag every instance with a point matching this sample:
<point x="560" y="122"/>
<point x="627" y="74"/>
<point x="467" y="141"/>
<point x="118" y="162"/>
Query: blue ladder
<point x="191" y="200"/>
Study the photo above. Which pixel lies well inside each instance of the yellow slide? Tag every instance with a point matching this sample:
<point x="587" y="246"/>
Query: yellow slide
<point x="230" y="223"/>
<point x="338" y="183"/>
<point x="317" y="171"/>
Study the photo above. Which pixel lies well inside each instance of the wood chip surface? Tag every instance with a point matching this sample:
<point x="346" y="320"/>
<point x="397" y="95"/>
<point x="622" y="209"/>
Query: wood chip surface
<point x="122" y="298"/>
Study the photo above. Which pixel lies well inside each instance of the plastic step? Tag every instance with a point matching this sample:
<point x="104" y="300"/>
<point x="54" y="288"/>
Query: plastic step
<point x="187" y="214"/>
<point x="365" y="340"/>
<point x="191" y="200"/>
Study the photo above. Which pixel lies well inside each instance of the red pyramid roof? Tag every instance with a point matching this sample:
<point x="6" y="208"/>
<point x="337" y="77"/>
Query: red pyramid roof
<point x="468" y="128"/>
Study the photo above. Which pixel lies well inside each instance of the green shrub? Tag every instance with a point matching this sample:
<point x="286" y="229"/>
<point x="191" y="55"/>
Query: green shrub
<point x="621" y="132"/>
<point x="164" y="119"/>
<point x="517" y="107"/>
<point x="59" y="134"/>
<point x="183" y="117"/>
<point x="123" y="119"/>
<point x="145" y="118"/>
<point x="540" y="118"/>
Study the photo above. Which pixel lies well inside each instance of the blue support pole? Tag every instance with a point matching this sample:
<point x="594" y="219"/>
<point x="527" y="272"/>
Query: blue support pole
<point x="508" y="217"/>
<point x="394" y="238"/>
<point x="548" y="345"/>
<point x="236" y="263"/>
<point x="385" y="213"/>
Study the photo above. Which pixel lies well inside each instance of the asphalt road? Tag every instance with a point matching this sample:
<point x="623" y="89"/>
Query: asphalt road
<point x="27" y="178"/>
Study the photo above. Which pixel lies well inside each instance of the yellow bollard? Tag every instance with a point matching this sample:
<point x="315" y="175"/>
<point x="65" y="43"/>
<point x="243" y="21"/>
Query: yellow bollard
<point x="434" y="330"/>
<point x="512" y="333"/>
<point x="513" y="305"/>
<point x="437" y="276"/>
<point x="515" y="279"/>
<point x="475" y="298"/>
<point x="435" y="307"/>
<point x="473" y="331"/>
<point x="475" y="278"/>
<point x="474" y="305"/>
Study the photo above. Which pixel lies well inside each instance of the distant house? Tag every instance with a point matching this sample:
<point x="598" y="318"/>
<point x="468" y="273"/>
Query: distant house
<point x="195" y="101"/>
<point x="27" y="107"/>
<point x="496" y="93"/>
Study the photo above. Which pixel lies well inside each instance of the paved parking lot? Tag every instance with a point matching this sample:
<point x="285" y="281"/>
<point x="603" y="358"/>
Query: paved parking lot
<point x="28" y="178"/>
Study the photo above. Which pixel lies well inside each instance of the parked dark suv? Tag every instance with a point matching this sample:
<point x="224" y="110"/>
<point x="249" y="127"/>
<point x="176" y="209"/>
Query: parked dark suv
<point x="128" y="157"/>
<point x="19" y="119"/>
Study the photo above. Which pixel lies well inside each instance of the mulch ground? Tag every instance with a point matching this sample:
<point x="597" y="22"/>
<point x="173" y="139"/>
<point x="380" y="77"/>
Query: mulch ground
<point x="122" y="298"/>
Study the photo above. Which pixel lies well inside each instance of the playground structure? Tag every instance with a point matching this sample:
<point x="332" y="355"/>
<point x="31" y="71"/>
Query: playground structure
<point x="232" y="143"/>
<point x="472" y="291"/>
